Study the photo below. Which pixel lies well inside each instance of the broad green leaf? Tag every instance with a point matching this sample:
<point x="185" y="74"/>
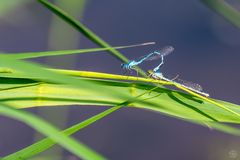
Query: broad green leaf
<point x="40" y="125"/>
<point x="168" y="101"/>
<point x="35" y="71"/>
<point x="46" y="143"/>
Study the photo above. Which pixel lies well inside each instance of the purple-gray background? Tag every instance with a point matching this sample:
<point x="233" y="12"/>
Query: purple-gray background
<point x="206" y="51"/>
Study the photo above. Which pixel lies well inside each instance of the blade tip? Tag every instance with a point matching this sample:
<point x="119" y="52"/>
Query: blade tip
<point x="148" y="43"/>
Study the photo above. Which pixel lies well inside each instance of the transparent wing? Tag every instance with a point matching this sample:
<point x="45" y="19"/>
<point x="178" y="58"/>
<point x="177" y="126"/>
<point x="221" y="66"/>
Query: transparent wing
<point x="190" y="84"/>
<point x="159" y="53"/>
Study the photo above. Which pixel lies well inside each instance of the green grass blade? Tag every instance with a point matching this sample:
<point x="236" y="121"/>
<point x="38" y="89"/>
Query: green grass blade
<point x="80" y="27"/>
<point x="111" y="76"/>
<point x="40" y="125"/>
<point x="219" y="127"/>
<point x="67" y="52"/>
<point x="37" y="72"/>
<point x="224" y="9"/>
<point x="85" y="31"/>
<point x="168" y="101"/>
<point x="46" y="143"/>
<point x="225" y="128"/>
<point x="56" y="30"/>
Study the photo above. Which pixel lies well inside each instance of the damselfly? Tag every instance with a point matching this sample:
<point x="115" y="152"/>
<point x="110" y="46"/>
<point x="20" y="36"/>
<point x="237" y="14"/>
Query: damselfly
<point x="151" y="56"/>
<point x="192" y="86"/>
<point x="176" y="81"/>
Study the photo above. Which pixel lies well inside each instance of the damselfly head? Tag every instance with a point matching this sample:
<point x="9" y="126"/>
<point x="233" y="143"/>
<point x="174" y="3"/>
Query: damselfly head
<point x="123" y="65"/>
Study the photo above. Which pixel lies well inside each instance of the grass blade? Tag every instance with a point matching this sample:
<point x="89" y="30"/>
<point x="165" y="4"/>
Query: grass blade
<point x="85" y="31"/>
<point x="35" y="71"/>
<point x="224" y="9"/>
<point x="168" y="101"/>
<point x="90" y="92"/>
<point x="46" y="143"/>
<point x="40" y="125"/>
<point x="67" y="52"/>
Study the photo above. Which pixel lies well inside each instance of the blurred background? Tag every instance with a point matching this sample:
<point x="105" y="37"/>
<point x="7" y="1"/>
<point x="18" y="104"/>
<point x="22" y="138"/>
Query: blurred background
<point x="206" y="52"/>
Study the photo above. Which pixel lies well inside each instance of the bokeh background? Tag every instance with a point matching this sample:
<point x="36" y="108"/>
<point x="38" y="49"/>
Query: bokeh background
<point x="206" y="52"/>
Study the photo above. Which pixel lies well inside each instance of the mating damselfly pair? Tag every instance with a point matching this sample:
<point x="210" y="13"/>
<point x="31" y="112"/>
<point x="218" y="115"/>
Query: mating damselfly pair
<point x="156" y="72"/>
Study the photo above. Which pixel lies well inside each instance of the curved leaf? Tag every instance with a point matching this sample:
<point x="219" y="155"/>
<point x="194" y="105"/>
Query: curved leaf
<point x="40" y="125"/>
<point x="46" y="143"/>
<point x="162" y="100"/>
